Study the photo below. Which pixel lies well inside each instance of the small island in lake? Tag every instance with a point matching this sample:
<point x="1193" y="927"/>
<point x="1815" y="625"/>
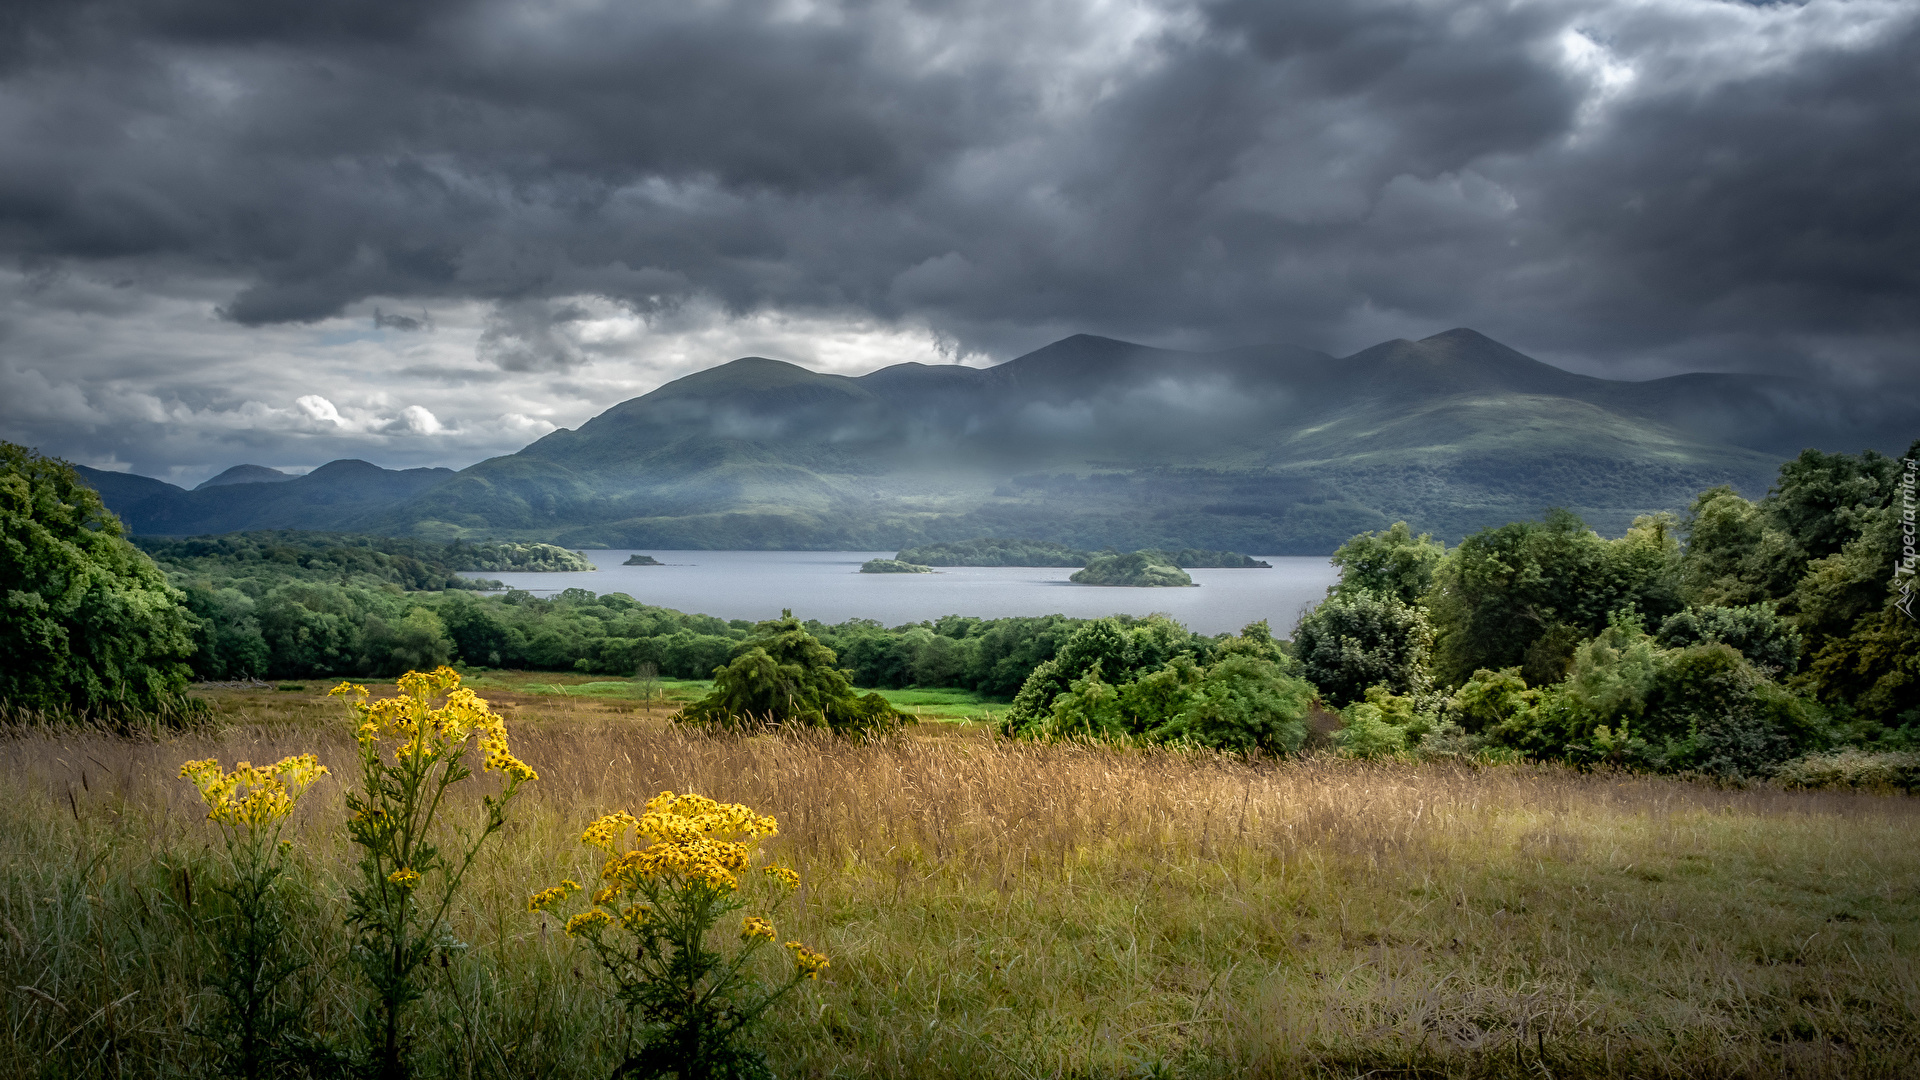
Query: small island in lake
<point x="994" y="551"/>
<point x="1142" y="569"/>
<point x="642" y="560"/>
<point x="893" y="566"/>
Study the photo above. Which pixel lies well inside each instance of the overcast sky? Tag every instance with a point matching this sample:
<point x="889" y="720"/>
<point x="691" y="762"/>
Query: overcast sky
<point x="426" y="233"/>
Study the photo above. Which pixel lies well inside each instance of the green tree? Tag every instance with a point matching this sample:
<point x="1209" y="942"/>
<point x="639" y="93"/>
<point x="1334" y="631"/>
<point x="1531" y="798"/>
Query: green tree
<point x="1525" y="594"/>
<point x="87" y="622"/>
<point x="783" y="675"/>
<point x="1392" y="562"/>
<point x="1359" y="638"/>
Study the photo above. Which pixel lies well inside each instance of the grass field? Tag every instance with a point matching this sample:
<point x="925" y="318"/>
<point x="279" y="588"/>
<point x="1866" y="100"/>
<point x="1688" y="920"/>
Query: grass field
<point x="1017" y="910"/>
<point x="943" y="703"/>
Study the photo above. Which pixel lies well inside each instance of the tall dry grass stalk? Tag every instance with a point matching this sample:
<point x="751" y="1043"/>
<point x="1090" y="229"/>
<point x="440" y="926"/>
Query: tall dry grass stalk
<point x="1006" y="909"/>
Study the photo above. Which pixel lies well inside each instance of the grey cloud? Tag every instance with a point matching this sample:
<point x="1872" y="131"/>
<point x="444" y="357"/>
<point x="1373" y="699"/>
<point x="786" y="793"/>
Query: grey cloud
<point x="406" y="323"/>
<point x="1243" y="171"/>
<point x="530" y="336"/>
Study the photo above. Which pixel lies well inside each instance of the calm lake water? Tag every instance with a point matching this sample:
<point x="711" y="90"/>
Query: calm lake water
<point x="828" y="586"/>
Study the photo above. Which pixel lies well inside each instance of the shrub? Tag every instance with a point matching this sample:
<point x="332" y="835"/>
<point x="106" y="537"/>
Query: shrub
<point x="1364" y="733"/>
<point x="652" y="927"/>
<point x="1627" y="701"/>
<point x="785" y="676"/>
<point x="1242" y="704"/>
<point x="1852" y="768"/>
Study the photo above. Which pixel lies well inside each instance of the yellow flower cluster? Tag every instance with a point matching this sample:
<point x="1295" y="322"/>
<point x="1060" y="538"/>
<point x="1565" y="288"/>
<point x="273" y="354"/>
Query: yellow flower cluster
<point x="693" y="838"/>
<point x="635" y="916"/>
<point x="782" y="875"/>
<point x="810" y="963"/>
<point x="753" y="926"/>
<point x="404" y="877"/>
<point x="587" y="922"/>
<point x="546" y="898"/>
<point x="252" y="795"/>
<point x="415" y="727"/>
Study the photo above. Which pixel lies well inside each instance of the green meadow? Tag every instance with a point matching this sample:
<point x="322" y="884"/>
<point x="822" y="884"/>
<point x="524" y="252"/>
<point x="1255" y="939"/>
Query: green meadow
<point x="997" y="908"/>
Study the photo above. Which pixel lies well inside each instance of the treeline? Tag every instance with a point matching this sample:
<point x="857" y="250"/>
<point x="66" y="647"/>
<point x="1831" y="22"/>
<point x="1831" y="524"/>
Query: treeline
<point x="1728" y="641"/>
<point x="993" y="551"/>
<point x="348" y="558"/>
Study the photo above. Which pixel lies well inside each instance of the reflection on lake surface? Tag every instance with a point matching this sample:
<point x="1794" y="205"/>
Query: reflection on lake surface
<point x="828" y="586"/>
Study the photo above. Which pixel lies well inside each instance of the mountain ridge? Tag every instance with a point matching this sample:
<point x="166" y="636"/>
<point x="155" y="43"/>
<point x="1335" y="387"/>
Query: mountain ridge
<point x="1090" y="441"/>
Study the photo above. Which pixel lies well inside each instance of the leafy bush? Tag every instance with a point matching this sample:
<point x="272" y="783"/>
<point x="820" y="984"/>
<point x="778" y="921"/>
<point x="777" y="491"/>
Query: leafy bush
<point x="785" y="676"/>
<point x="1365" y="734"/>
<point x="1852" y="768"/>
<point x="1490" y="700"/>
<point x="1357" y="639"/>
<point x="1768" y="642"/>
<point x="1120" y="649"/>
<point x="87" y="623"/>
<point x="1242" y="703"/>
<point x="1627" y="701"/>
<point x="1246" y="699"/>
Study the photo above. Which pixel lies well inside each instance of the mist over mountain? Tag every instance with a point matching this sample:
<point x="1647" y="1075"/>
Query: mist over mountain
<point x="1089" y="441"/>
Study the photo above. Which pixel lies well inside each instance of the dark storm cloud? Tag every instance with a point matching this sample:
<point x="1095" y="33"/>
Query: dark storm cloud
<point x="1704" y="184"/>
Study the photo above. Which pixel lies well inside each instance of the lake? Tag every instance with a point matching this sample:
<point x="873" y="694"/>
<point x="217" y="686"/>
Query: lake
<point x="828" y="586"/>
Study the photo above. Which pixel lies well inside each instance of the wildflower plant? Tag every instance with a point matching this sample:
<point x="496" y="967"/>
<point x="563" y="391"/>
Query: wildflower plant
<point x="659" y="925"/>
<point x="412" y="751"/>
<point x="256" y="1028"/>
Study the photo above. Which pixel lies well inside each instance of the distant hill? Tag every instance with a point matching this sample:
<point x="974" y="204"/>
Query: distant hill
<point x="328" y="499"/>
<point x="246" y="474"/>
<point x="1089" y="443"/>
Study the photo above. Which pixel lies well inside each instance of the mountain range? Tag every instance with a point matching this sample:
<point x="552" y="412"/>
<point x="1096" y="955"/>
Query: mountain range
<point x="1089" y="441"/>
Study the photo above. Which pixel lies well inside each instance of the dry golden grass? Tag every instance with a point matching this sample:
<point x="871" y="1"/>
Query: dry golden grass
<point x="1005" y="909"/>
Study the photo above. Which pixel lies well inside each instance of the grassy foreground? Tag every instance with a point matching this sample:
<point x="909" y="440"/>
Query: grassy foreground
<point x="1012" y="910"/>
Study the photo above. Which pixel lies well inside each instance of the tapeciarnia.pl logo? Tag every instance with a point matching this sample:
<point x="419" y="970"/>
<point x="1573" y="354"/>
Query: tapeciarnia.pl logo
<point x="1903" y="567"/>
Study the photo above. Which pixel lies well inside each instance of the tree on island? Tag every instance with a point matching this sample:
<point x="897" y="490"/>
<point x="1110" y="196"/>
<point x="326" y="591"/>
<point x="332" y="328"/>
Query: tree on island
<point x="1146" y="569"/>
<point x="90" y="625"/>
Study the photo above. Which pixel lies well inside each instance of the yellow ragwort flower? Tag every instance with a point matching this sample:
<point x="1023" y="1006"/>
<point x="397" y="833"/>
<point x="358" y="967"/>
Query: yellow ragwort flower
<point x="753" y="926"/>
<point x="417" y="729"/>
<point x="404" y="877"/>
<point x="587" y="922"/>
<point x="606" y="832"/>
<point x="636" y="916"/>
<point x="546" y="898"/>
<point x="783" y="875"/>
<point x="252" y="795"/>
<point x="810" y="963"/>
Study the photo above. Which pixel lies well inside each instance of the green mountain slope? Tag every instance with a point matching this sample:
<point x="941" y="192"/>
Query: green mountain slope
<point x="1089" y="442"/>
<point x="1097" y="443"/>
